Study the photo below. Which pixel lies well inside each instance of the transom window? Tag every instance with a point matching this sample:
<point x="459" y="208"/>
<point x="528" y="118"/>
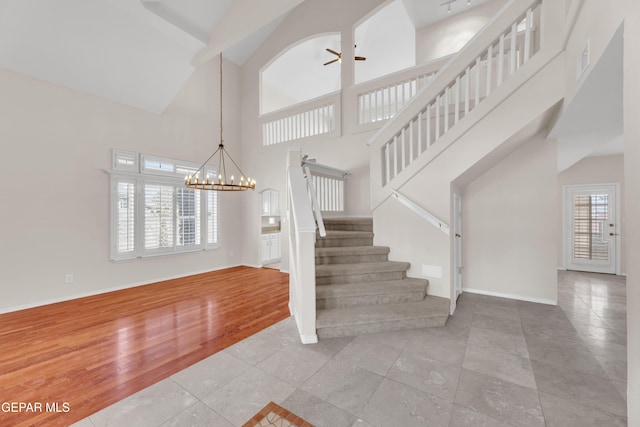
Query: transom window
<point x="152" y="213"/>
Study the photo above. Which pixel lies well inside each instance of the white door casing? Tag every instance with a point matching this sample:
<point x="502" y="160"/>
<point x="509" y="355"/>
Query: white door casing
<point x="457" y="243"/>
<point x="591" y="228"/>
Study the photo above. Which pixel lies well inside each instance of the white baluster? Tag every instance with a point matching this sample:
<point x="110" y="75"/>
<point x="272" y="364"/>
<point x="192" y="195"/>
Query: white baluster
<point x="512" y="54"/>
<point x="437" y="107"/>
<point x="428" y="127"/>
<point x="527" y="35"/>
<point x="387" y="167"/>
<point x="500" y="60"/>
<point x="419" y="133"/>
<point x="395" y="156"/>
<point x="456" y="116"/>
<point x="410" y="141"/>
<point x="489" y="69"/>
<point x="447" y="102"/>
<point x="404" y="156"/>
<point x="467" y="89"/>
<point x="478" y="71"/>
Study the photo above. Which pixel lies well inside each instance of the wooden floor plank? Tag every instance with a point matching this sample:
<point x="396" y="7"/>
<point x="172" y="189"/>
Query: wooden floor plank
<point x="95" y="351"/>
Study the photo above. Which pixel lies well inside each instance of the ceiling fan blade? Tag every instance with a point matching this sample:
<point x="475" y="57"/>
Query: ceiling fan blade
<point x="333" y="51"/>
<point x="331" y="62"/>
<point x="360" y="58"/>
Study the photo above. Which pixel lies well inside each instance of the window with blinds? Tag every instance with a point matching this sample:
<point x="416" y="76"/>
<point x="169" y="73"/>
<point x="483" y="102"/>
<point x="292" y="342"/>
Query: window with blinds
<point x="153" y="213"/>
<point x="590" y="217"/>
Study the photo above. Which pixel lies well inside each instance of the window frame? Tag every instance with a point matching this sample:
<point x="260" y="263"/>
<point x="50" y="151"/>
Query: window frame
<point x="123" y="171"/>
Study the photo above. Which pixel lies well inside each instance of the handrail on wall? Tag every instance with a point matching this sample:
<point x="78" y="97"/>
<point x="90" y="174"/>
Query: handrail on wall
<point x="422" y="213"/>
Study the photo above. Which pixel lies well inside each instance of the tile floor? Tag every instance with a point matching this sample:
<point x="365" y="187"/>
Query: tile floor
<point x="497" y="362"/>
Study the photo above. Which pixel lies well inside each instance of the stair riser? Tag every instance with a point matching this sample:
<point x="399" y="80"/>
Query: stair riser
<point x="350" y="259"/>
<point x="332" y="243"/>
<point x="356" y="278"/>
<point x="349" y="227"/>
<point x="370" y="328"/>
<point x="340" y="302"/>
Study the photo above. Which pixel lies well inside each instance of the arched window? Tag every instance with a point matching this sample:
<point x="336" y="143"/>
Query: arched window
<point x="297" y="74"/>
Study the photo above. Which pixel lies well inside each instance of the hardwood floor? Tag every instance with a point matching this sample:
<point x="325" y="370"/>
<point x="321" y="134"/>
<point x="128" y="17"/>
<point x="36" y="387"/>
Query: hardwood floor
<point x="86" y="354"/>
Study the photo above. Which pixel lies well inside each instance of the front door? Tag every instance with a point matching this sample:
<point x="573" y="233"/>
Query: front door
<point x="591" y="228"/>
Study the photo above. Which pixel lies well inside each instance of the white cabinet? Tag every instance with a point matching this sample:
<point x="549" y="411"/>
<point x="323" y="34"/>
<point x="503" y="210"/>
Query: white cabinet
<point x="270" y="244"/>
<point x="270" y="203"/>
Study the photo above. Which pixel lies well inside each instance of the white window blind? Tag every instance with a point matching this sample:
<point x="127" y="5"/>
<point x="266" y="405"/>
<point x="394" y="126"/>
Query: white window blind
<point x="159" y="203"/>
<point x="154" y="215"/>
<point x="125" y="216"/>
<point x="591" y="215"/>
<point x="212" y="218"/>
<point x="188" y="211"/>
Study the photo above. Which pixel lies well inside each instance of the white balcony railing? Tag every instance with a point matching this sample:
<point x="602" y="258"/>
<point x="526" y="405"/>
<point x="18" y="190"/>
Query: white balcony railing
<point x="320" y="116"/>
<point x="329" y="186"/>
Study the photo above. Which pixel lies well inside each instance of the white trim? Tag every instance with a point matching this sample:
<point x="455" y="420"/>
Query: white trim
<point x="107" y="290"/>
<point x="566" y="238"/>
<point x="309" y="339"/>
<point x="510" y="296"/>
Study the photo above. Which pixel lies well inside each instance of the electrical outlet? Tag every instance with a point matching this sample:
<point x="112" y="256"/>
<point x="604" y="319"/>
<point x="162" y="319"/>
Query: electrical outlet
<point x="68" y="279"/>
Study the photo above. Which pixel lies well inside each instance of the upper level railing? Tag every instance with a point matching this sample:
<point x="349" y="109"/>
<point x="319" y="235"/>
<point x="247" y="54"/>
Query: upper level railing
<point x="329" y="186"/>
<point x="506" y="44"/>
<point x="320" y="116"/>
<point x="376" y="101"/>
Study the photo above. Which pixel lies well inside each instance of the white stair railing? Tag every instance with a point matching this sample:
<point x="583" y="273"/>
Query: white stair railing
<point x="305" y="203"/>
<point x="507" y="43"/>
<point x="381" y="99"/>
<point x="302" y="240"/>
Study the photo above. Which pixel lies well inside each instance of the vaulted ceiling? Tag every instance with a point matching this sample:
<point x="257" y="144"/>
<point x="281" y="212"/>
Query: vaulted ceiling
<point x="141" y="52"/>
<point x="137" y="52"/>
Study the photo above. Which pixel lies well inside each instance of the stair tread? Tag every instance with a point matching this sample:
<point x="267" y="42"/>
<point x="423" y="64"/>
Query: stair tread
<point x="360" y="268"/>
<point x="348" y="316"/>
<point x="384" y="287"/>
<point x="352" y="250"/>
<point x="348" y="220"/>
<point x="347" y="234"/>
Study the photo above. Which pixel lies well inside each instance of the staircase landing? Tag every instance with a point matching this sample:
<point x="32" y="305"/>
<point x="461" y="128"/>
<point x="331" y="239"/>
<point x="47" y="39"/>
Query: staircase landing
<point x="359" y="291"/>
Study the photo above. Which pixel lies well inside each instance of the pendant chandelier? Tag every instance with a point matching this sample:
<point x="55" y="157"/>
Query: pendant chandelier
<point x="200" y="180"/>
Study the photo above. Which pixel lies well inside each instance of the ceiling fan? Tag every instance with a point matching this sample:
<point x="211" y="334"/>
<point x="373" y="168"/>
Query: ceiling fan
<point x="339" y="57"/>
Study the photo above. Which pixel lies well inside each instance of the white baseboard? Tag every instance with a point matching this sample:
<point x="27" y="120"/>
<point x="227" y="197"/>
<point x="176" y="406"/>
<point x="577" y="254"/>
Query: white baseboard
<point x="510" y="296"/>
<point x="253" y="265"/>
<point x="107" y="290"/>
<point x="309" y="339"/>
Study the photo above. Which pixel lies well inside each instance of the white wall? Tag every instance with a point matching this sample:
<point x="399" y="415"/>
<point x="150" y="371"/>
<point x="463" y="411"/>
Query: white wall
<point x="387" y="39"/>
<point x="632" y="199"/>
<point x="596" y="170"/>
<point x="450" y="35"/>
<point x="510" y="226"/>
<point x="55" y="212"/>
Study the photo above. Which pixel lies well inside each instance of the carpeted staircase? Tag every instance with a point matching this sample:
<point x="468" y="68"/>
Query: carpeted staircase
<point x="358" y="290"/>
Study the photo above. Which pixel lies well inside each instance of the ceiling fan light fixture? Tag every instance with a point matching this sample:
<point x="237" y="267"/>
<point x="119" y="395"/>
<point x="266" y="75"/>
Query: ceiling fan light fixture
<point x="339" y="57"/>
